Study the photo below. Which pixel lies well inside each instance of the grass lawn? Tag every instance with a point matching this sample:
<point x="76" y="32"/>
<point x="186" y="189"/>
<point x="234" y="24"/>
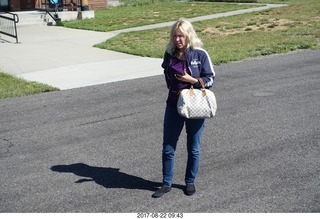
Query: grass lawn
<point x="11" y="86"/>
<point x="116" y="18"/>
<point x="238" y="37"/>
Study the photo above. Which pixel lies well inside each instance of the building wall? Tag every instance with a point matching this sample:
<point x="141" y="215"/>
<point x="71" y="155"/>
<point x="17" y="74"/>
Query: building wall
<point x="17" y="5"/>
<point x="97" y="4"/>
<point x="27" y="4"/>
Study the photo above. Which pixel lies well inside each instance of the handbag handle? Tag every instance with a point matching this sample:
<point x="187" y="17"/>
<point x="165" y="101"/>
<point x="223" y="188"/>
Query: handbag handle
<point x="201" y="82"/>
<point x="202" y="87"/>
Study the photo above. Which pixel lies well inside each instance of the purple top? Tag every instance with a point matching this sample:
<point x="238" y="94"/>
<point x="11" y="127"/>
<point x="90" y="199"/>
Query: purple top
<point x="177" y="66"/>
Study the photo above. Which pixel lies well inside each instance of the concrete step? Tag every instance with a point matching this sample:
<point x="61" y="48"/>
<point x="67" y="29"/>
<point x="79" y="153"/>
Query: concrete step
<point x="42" y="18"/>
<point x="31" y="17"/>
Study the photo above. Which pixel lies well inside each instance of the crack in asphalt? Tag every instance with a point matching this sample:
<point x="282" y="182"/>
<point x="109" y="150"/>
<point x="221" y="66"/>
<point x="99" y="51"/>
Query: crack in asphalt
<point x="5" y="146"/>
<point x="108" y="119"/>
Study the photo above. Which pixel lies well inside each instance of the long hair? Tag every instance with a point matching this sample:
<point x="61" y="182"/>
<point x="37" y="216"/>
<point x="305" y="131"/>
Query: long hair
<point x="193" y="41"/>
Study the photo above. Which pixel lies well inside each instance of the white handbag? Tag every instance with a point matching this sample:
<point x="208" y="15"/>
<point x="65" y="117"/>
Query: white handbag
<point x="197" y="103"/>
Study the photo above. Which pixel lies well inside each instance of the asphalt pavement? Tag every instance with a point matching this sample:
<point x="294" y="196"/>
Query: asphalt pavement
<point x="98" y="148"/>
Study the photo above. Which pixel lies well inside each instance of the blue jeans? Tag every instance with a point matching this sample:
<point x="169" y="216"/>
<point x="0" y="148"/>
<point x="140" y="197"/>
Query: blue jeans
<point x="173" y="125"/>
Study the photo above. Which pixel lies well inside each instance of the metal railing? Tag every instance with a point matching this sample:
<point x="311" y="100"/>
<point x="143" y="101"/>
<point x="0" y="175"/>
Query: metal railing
<point x="53" y="9"/>
<point x="62" y="4"/>
<point x="8" y="24"/>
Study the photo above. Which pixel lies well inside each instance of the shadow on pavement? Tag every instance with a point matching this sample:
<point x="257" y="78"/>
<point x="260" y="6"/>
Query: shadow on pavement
<point x="108" y="177"/>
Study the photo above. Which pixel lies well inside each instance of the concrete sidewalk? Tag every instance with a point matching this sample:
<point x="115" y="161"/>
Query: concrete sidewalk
<point x="65" y="58"/>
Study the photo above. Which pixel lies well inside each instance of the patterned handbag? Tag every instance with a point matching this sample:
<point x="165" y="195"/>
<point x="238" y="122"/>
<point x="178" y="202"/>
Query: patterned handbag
<point x="197" y="103"/>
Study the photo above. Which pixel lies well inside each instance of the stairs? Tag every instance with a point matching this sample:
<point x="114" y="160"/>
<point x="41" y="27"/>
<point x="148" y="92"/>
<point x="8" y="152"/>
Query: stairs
<point x="32" y="18"/>
<point x="42" y="18"/>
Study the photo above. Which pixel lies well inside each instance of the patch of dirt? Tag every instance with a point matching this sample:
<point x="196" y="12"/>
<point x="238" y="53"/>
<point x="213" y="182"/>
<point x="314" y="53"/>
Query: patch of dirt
<point x="269" y="25"/>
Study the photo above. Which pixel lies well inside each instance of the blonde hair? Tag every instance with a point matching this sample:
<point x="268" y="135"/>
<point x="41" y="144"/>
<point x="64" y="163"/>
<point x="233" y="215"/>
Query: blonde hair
<point x="193" y="41"/>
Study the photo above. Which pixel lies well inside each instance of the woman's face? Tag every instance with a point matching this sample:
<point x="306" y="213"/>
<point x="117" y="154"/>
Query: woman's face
<point x="180" y="40"/>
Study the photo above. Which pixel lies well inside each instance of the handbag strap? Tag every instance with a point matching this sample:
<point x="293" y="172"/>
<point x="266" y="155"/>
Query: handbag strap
<point x="202" y="87"/>
<point x="191" y="93"/>
<point x="201" y="82"/>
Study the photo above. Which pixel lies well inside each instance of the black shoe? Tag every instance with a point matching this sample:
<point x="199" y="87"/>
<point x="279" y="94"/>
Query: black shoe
<point x="190" y="189"/>
<point x="159" y="193"/>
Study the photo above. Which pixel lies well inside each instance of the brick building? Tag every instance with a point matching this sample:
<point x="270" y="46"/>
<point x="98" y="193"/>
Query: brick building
<point x="21" y="5"/>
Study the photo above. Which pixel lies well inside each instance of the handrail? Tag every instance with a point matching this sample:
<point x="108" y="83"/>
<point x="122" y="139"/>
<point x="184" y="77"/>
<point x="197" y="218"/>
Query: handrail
<point x="55" y="17"/>
<point x="61" y="5"/>
<point x="8" y="25"/>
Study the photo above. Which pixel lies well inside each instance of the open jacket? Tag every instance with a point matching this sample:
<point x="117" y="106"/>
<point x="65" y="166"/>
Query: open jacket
<point x="199" y="65"/>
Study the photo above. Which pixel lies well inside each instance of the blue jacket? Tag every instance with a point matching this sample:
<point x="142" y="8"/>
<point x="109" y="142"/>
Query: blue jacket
<point x="199" y="64"/>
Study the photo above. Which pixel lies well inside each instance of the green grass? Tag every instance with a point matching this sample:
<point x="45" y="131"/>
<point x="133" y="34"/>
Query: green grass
<point x="11" y="86"/>
<point x="116" y="18"/>
<point x="238" y="37"/>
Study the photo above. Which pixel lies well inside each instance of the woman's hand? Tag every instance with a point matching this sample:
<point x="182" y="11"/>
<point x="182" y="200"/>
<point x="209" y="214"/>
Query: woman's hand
<point x="186" y="78"/>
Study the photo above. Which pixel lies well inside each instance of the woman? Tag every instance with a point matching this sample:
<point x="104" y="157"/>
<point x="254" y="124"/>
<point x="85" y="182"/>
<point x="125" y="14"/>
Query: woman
<point x="184" y="61"/>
